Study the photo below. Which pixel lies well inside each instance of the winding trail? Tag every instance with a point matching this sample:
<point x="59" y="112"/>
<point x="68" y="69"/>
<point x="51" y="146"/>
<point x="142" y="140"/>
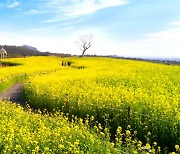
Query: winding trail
<point x="14" y="94"/>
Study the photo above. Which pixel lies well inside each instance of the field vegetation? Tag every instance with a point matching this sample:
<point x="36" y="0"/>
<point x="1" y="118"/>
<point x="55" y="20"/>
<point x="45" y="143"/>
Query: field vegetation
<point x="129" y="99"/>
<point x="21" y="68"/>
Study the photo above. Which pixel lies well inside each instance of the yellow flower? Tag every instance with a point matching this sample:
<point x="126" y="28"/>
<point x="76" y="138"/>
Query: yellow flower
<point x="119" y="129"/>
<point x="60" y="146"/>
<point x="177" y="147"/>
<point x="159" y="149"/>
<point x="149" y="133"/>
<point x="155" y="144"/>
<point x="128" y="133"/>
<point x="92" y="118"/>
<point x="77" y="142"/>
<point x="148" y="146"/>
<point x="37" y="148"/>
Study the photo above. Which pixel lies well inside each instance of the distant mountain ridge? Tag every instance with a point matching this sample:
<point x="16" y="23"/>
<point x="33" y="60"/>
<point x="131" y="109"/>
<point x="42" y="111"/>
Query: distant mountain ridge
<point x="26" y="50"/>
<point x="19" y="51"/>
<point x="30" y="47"/>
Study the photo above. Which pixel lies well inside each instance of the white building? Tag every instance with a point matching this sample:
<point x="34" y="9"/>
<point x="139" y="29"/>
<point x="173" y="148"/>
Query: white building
<point x="3" y="53"/>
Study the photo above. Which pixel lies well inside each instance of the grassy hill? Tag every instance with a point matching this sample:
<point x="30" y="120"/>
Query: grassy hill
<point x="25" y="50"/>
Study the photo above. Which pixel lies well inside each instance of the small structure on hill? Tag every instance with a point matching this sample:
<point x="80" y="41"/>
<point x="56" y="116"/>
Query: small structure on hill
<point x="3" y="53"/>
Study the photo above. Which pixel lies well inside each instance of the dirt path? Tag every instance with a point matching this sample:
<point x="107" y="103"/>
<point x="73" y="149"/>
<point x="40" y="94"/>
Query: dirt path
<point x="14" y="94"/>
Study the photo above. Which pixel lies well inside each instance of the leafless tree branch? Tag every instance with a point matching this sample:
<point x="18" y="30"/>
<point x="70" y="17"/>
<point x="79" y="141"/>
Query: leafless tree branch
<point x="84" y="43"/>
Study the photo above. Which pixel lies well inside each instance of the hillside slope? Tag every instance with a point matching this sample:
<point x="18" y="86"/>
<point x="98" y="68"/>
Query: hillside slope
<point x="20" y="51"/>
<point x="25" y="50"/>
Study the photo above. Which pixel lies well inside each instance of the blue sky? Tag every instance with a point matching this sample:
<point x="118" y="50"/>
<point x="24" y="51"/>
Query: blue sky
<point x="135" y="28"/>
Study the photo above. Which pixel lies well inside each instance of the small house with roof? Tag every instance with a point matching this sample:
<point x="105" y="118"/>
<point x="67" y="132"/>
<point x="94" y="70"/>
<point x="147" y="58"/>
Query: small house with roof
<point x="3" y="53"/>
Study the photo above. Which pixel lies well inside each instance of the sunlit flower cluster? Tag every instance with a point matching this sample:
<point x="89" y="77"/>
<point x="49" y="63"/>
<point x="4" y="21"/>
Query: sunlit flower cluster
<point x="142" y="94"/>
<point x="27" y="67"/>
<point x="24" y="132"/>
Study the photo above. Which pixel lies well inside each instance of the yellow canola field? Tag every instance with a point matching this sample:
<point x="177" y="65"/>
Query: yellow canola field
<point x="26" y="67"/>
<point x="29" y="132"/>
<point x="26" y="131"/>
<point x="29" y="65"/>
<point x="116" y="92"/>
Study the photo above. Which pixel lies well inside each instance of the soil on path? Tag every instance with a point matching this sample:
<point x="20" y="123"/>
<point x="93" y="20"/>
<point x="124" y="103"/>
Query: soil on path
<point x="14" y="94"/>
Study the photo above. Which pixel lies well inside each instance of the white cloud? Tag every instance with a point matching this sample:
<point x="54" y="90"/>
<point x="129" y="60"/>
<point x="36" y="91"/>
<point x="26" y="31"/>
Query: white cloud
<point x="90" y="6"/>
<point x="163" y="44"/>
<point x="68" y="28"/>
<point x="14" y="4"/>
<point x="176" y="23"/>
<point x="160" y="44"/>
<point x="56" y="28"/>
<point x="39" y="29"/>
<point x="33" y="12"/>
<point x="169" y="37"/>
<point x="76" y="8"/>
<point x="61" y="44"/>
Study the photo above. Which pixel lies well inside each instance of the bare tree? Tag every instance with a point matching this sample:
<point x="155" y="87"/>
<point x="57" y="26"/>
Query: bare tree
<point x="84" y="43"/>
